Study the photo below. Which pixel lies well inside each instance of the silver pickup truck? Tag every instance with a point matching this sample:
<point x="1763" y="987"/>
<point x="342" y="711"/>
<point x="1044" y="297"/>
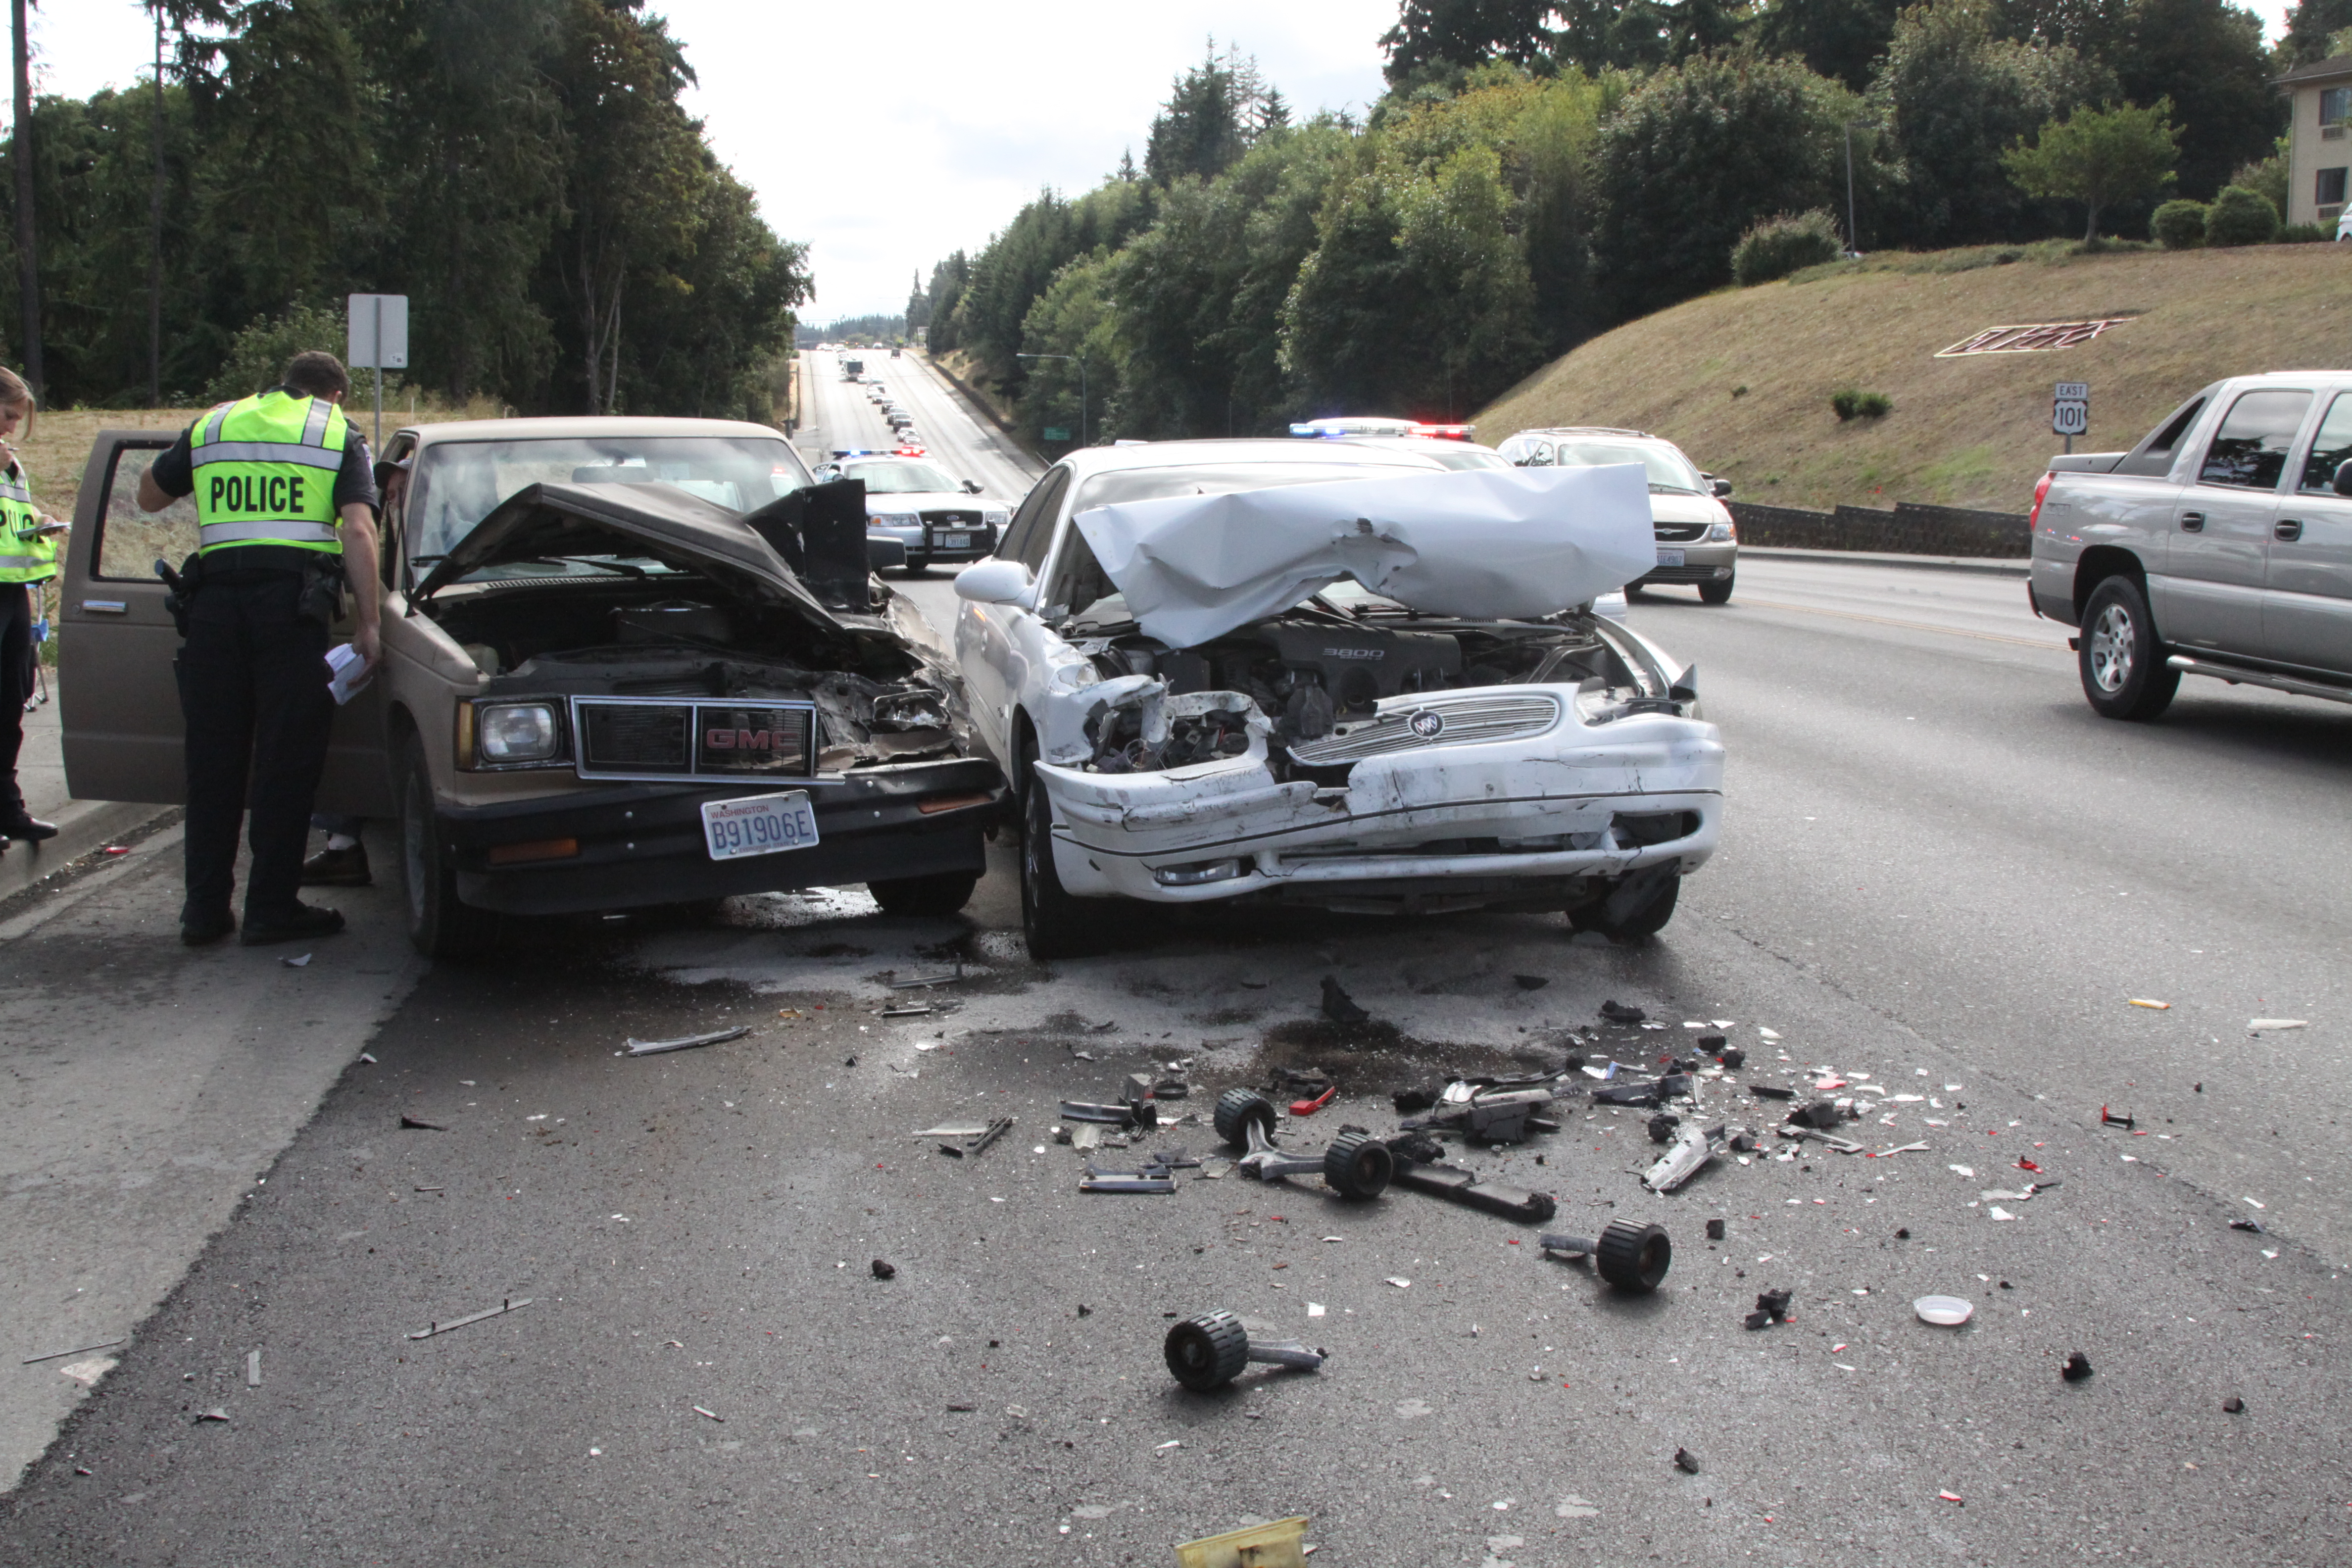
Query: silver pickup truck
<point x="2221" y="545"/>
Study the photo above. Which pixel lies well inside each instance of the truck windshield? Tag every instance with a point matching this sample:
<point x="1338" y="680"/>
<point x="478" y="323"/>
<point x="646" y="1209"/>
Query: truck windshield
<point x="458" y="483"/>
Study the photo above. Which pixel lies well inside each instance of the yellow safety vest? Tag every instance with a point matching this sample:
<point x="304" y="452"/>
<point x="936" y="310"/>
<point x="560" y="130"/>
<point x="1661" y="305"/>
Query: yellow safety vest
<point x="265" y="473"/>
<point x="24" y="556"/>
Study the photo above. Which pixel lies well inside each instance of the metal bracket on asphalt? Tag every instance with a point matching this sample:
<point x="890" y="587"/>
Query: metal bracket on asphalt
<point x="686" y="1042"/>
<point x="511" y="1304"/>
<point x="980" y="1140"/>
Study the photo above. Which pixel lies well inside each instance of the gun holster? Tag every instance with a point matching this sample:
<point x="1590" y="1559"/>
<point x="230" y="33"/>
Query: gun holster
<point x="322" y="590"/>
<point x="182" y="585"/>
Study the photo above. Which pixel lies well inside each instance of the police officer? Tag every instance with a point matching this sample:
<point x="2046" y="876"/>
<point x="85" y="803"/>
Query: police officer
<point x="28" y="555"/>
<point x="286" y="498"/>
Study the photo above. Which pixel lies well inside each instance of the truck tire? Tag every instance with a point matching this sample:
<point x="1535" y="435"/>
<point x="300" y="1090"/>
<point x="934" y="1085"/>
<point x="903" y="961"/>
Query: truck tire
<point x="940" y="894"/>
<point x="1055" y="924"/>
<point x="2125" y="675"/>
<point x="440" y="924"/>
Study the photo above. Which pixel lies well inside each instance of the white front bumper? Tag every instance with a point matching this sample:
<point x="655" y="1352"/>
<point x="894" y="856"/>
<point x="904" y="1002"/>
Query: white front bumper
<point x="1401" y="821"/>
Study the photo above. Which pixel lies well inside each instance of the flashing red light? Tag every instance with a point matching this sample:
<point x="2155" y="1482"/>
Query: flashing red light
<point x="1444" y="432"/>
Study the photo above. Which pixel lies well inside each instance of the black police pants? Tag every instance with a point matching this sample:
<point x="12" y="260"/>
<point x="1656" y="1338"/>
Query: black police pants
<point x="253" y="687"/>
<point x="15" y="688"/>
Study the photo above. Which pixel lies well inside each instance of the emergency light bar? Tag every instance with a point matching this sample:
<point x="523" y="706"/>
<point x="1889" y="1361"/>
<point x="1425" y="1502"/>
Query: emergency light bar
<point x="1379" y="424"/>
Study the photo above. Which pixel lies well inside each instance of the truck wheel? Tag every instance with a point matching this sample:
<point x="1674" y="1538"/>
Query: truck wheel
<point x="1358" y="1165"/>
<point x="1640" y="905"/>
<point x="918" y="565"/>
<point x="2124" y="670"/>
<point x="1208" y="1351"/>
<point x="440" y="924"/>
<point x="1717" y="593"/>
<point x="1236" y="1109"/>
<point x="1055" y="924"/>
<point x="1634" y="1256"/>
<point x="941" y="893"/>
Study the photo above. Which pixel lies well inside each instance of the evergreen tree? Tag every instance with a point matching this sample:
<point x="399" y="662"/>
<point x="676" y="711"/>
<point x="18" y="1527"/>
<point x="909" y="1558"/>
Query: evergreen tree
<point x="1199" y="129"/>
<point x="1461" y="33"/>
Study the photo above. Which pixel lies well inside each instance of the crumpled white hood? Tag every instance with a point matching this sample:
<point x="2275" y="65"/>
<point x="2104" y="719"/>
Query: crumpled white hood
<point x="1500" y="543"/>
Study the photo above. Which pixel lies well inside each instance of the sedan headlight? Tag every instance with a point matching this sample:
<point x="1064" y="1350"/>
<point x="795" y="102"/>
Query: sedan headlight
<point x="1724" y="533"/>
<point x="995" y="516"/>
<point x="894" y="519"/>
<point x="516" y="732"/>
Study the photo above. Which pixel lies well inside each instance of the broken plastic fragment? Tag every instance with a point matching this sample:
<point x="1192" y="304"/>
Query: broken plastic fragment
<point x="883" y="1270"/>
<point x="2077" y="1367"/>
<point x="1943" y="1311"/>
<point x="1620" y="1012"/>
<point x="686" y="1042"/>
<point x="2271" y="1026"/>
<point x="2144" y="1002"/>
<point x="296" y="963"/>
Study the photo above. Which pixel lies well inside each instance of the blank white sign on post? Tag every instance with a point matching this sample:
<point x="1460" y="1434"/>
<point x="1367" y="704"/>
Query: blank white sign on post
<point x="379" y="331"/>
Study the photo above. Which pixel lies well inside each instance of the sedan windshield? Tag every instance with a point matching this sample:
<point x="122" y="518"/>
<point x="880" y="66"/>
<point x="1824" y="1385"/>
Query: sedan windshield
<point x="899" y="479"/>
<point x="1669" y="471"/>
<point x="458" y="483"/>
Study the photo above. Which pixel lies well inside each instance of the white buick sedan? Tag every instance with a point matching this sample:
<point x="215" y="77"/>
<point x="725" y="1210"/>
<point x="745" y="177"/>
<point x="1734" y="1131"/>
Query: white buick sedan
<point x="1329" y="675"/>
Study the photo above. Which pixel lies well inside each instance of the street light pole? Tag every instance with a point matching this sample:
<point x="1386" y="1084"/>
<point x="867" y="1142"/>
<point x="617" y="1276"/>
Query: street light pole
<point x="1080" y="360"/>
<point x="1852" y="240"/>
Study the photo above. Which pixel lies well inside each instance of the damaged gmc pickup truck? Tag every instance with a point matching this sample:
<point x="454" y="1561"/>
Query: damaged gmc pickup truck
<point x="1335" y="677"/>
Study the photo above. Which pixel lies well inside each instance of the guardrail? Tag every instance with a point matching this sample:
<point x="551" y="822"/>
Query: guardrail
<point x="1910" y="528"/>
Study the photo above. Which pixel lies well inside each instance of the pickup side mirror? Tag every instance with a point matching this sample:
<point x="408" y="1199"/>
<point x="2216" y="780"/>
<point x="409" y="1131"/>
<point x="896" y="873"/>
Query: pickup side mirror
<point x="971" y="487"/>
<point x="997" y="582"/>
<point x="2344" y="478"/>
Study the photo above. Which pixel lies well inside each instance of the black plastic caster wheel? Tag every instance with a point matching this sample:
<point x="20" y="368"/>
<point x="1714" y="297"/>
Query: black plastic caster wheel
<point x="1358" y="1165"/>
<point x="1207" y="1352"/>
<point x="1236" y="1109"/>
<point x="1634" y="1256"/>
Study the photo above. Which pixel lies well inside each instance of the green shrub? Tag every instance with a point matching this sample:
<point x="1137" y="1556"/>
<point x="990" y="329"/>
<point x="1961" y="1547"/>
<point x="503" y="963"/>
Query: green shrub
<point x="1779" y="245"/>
<point x="2178" y="226"/>
<point x="257" y="354"/>
<point x="2240" y="217"/>
<point x="1851" y="403"/>
<point x="2304" y="233"/>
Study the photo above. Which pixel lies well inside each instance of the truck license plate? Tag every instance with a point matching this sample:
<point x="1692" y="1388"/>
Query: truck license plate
<point x="1670" y="557"/>
<point x="759" y="825"/>
<point x="955" y="541"/>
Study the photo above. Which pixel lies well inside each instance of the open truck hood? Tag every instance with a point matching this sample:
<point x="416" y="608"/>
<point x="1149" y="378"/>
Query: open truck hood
<point x="671" y="526"/>
<point x="1485" y="543"/>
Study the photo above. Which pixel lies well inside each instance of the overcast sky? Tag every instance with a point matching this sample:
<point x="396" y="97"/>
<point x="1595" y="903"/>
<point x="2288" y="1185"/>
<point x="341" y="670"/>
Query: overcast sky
<point x="888" y="135"/>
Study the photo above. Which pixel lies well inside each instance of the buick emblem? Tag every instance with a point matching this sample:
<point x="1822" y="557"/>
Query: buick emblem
<point x="1428" y="723"/>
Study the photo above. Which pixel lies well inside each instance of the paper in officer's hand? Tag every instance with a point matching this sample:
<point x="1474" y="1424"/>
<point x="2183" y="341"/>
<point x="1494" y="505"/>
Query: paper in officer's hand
<point x="348" y="673"/>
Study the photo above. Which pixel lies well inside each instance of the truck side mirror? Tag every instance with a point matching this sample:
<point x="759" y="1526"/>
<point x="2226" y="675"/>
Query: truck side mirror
<point x="2344" y="478"/>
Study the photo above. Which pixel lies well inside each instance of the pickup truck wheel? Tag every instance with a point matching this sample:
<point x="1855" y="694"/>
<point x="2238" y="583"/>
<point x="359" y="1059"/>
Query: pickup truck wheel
<point x="941" y="893"/>
<point x="440" y="924"/>
<point x="1055" y="924"/>
<point x="1717" y="593"/>
<point x="1640" y="905"/>
<point x="2125" y="675"/>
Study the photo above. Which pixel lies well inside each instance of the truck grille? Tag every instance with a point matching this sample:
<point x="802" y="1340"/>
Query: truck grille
<point x="1406" y="724"/>
<point x="623" y="737"/>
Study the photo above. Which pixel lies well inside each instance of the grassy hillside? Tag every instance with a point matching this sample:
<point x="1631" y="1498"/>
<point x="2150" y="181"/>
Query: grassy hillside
<point x="1742" y="379"/>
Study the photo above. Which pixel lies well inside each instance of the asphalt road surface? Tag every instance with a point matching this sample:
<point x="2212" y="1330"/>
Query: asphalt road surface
<point x="1940" y="875"/>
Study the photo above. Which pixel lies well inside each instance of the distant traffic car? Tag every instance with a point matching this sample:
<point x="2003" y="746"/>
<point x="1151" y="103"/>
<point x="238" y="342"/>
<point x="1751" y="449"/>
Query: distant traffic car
<point x="1201" y="697"/>
<point x="937" y="517"/>
<point x="1698" y="544"/>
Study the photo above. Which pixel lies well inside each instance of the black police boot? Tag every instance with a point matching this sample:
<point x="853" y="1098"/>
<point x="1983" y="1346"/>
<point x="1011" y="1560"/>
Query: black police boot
<point x="25" y="825"/>
<point x="308" y="920"/>
<point x="199" y="929"/>
<point x="337" y="869"/>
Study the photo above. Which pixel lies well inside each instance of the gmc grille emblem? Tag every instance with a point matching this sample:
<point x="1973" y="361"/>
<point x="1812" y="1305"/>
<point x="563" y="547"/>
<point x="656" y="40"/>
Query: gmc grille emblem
<point x="745" y="741"/>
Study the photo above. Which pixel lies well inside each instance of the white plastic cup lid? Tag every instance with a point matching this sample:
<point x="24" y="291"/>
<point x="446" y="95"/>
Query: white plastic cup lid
<point x="1945" y="1312"/>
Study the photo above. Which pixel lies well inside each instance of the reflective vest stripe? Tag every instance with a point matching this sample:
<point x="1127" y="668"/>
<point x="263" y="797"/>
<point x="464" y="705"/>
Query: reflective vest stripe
<point x="267" y="452"/>
<point x="314" y="429"/>
<point x="292" y="529"/>
<point x="213" y="430"/>
<point x="25" y="562"/>
<point x="15" y="492"/>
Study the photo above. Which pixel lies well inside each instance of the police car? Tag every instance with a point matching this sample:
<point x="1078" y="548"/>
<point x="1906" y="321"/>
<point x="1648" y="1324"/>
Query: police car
<point x="914" y="501"/>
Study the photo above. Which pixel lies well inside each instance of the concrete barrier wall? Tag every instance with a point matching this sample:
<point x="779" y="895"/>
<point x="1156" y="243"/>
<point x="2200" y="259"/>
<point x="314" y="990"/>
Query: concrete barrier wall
<point x="1910" y="528"/>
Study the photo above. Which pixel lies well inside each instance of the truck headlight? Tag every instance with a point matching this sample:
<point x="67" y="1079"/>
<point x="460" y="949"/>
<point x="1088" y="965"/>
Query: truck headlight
<point x="515" y="731"/>
<point x="893" y="520"/>
<point x="1723" y="533"/>
<point x="995" y="516"/>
